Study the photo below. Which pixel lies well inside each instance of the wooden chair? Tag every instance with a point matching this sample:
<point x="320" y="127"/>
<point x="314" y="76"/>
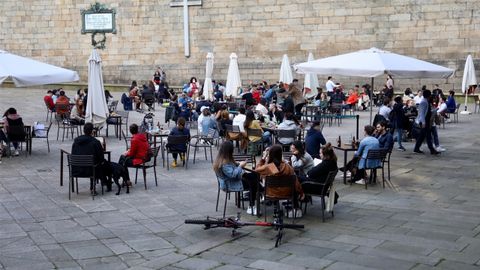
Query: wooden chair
<point x="316" y="189"/>
<point x="87" y="165"/>
<point x="152" y="163"/>
<point x="273" y="183"/>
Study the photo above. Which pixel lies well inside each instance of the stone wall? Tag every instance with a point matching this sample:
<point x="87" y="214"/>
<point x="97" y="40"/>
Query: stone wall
<point x="150" y="33"/>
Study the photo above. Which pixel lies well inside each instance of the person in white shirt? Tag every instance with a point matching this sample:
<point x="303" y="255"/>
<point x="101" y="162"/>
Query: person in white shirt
<point x="239" y="119"/>
<point x="418" y="98"/>
<point x="200" y="119"/>
<point x="330" y="85"/>
<point x="385" y="109"/>
<point x="261" y="108"/>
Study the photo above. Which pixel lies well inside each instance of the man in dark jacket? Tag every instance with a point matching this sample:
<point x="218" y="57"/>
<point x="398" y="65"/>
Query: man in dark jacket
<point x="87" y="145"/>
<point x="314" y="140"/>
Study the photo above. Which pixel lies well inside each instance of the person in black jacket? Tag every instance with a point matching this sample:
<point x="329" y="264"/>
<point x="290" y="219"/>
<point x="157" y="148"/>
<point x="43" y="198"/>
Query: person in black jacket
<point x="320" y="172"/>
<point x="398" y="120"/>
<point x="87" y="145"/>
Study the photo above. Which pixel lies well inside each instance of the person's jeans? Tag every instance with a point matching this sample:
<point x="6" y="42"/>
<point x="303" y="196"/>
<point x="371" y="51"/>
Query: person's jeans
<point x="434" y="131"/>
<point x="399" y="136"/>
<point x="267" y="138"/>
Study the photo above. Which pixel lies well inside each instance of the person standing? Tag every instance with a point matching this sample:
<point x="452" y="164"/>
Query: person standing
<point x="398" y="120"/>
<point x="423" y="124"/>
<point x="330" y="85"/>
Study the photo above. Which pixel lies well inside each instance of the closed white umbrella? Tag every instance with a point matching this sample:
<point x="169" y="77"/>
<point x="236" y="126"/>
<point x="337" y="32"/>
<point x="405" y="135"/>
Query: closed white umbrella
<point x="26" y="72"/>
<point x="311" y="82"/>
<point x="97" y="110"/>
<point x="233" y="77"/>
<point x="207" y="86"/>
<point x="469" y="78"/>
<point x="286" y="75"/>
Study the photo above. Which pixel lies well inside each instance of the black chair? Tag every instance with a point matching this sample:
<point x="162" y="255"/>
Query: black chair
<point x="287" y="156"/>
<point x="386" y="159"/>
<point x="455" y="113"/>
<point x="49" y="112"/>
<point x="375" y="154"/>
<point x="113" y="106"/>
<point x="284" y="182"/>
<point x="126" y="139"/>
<point x="205" y="142"/>
<point x="250" y="159"/>
<point x="228" y="191"/>
<point x="290" y="134"/>
<point x="152" y="163"/>
<point x="87" y="165"/>
<point x="317" y="189"/>
<point x="233" y="133"/>
<point x="119" y="120"/>
<point x="42" y="133"/>
<point x="174" y="140"/>
<point x="63" y="121"/>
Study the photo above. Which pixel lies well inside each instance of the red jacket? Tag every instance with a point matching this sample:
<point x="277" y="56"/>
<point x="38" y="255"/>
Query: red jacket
<point x="256" y="95"/>
<point x="49" y="101"/>
<point x="138" y="148"/>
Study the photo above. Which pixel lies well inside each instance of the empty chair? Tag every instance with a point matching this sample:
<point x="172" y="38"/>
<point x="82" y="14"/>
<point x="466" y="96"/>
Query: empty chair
<point x="41" y="131"/>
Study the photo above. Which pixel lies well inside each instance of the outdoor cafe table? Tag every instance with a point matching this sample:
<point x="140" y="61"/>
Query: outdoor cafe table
<point x="64" y="152"/>
<point x="345" y="148"/>
<point x="158" y="134"/>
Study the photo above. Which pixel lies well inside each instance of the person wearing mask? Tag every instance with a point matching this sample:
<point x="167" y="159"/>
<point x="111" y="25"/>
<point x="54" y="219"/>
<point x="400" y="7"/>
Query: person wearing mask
<point x="314" y="140"/>
<point x="423" y="124"/>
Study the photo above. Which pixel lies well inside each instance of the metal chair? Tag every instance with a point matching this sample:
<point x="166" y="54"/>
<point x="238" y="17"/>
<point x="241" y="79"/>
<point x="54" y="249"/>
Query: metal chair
<point x="205" y="142"/>
<point x="175" y="140"/>
<point x="455" y="113"/>
<point x="126" y="139"/>
<point x="258" y="146"/>
<point x="285" y="183"/>
<point x="152" y="163"/>
<point x="317" y="189"/>
<point x="42" y="133"/>
<point x="290" y="134"/>
<point x="113" y="106"/>
<point x="228" y="191"/>
<point x="49" y="112"/>
<point x="233" y="133"/>
<point x="375" y="154"/>
<point x="118" y="121"/>
<point x="81" y="166"/>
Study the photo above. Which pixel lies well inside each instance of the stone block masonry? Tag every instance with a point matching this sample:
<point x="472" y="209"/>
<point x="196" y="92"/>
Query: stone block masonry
<point x="150" y="33"/>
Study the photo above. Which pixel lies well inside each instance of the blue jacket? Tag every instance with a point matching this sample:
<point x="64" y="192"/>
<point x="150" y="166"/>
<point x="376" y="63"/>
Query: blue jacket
<point x="366" y="144"/>
<point x="230" y="177"/>
<point x="313" y="140"/>
<point x="177" y="132"/>
<point x="451" y="106"/>
<point x="385" y="141"/>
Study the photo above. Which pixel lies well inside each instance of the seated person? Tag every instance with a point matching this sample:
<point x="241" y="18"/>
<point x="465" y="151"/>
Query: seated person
<point x="180" y="129"/>
<point x="252" y="123"/>
<point x="148" y="95"/>
<point x="451" y="106"/>
<point x="231" y="175"/>
<point x="351" y="100"/>
<point x="206" y="122"/>
<point x="202" y="103"/>
<point x="77" y="116"/>
<point x="137" y="153"/>
<point x="314" y="140"/>
<point x="320" y="172"/>
<point x="336" y="100"/>
<point x="275" y="113"/>
<point x="261" y="108"/>
<point x="288" y="123"/>
<point x="385" y="138"/>
<point x="64" y="101"/>
<point x="86" y="144"/>
<point x="49" y="100"/>
<point x="301" y="161"/>
<point x="385" y="109"/>
<point x="223" y="121"/>
<point x="134" y="95"/>
<point x="272" y="164"/>
<point x="13" y="129"/>
<point x="367" y="143"/>
<point x="321" y="101"/>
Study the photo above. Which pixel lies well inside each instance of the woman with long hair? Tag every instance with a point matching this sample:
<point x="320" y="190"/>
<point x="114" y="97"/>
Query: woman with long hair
<point x="273" y="164"/>
<point x="77" y="116"/>
<point x="301" y="161"/>
<point x="252" y="123"/>
<point x="231" y="175"/>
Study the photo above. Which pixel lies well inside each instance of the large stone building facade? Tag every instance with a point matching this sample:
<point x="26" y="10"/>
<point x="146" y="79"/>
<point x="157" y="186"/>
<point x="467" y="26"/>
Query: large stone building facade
<point x="150" y="34"/>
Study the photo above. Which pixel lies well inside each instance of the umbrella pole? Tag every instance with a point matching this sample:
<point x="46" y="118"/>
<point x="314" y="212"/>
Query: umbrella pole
<point x="466" y="98"/>
<point x="371" y="100"/>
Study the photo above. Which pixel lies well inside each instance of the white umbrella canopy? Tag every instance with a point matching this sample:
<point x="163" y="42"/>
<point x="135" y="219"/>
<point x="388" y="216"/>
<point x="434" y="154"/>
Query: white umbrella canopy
<point x="286" y="75"/>
<point x="27" y="72"/>
<point x="207" y="86"/>
<point x="311" y="82"/>
<point x="469" y="78"/>
<point x="233" y="77"/>
<point x="372" y="63"/>
<point x="97" y="110"/>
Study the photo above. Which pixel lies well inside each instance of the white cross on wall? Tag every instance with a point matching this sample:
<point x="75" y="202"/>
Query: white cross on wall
<point x="186" y="35"/>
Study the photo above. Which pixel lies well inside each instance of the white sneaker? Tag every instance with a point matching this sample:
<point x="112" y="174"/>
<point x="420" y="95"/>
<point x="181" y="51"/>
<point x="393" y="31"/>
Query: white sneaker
<point x="16" y="153"/>
<point x="360" y="182"/>
<point x="349" y="174"/>
<point x="252" y="210"/>
<point x="297" y="213"/>
<point x="440" y="149"/>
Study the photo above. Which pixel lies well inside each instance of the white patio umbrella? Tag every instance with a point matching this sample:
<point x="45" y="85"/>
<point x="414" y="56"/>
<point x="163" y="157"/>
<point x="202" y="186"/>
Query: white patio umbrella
<point x="469" y="78"/>
<point x="26" y="72"/>
<point x="207" y="86"/>
<point x="372" y="63"/>
<point x="311" y="82"/>
<point x="97" y="110"/>
<point x="286" y="75"/>
<point x="233" y="77"/>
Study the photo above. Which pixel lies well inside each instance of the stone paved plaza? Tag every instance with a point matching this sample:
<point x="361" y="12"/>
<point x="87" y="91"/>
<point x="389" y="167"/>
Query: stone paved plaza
<point x="429" y="218"/>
